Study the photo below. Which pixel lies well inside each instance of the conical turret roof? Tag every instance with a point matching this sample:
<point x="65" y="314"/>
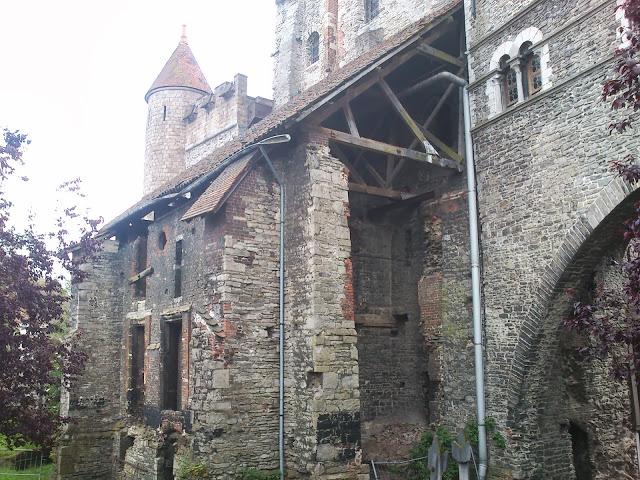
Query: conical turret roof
<point x="181" y="70"/>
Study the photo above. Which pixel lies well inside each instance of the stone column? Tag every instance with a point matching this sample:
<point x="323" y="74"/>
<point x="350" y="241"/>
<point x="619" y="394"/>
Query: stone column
<point x="323" y="418"/>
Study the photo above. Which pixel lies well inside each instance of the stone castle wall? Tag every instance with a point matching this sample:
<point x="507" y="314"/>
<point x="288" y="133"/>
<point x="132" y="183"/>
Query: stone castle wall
<point x="344" y="35"/>
<point x="543" y="171"/>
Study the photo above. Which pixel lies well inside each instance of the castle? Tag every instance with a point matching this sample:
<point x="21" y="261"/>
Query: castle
<point x="297" y="287"/>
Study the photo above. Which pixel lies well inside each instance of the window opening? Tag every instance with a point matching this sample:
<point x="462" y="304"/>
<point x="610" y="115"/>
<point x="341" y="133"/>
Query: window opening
<point x="172" y="334"/>
<point x="580" y="450"/>
<point x="531" y="68"/>
<point x="509" y="82"/>
<point x="178" y="270"/>
<point x="314" y="47"/>
<point x="371" y="9"/>
<point x="164" y="113"/>
<point x="162" y="240"/>
<point x="137" y="368"/>
<point x="140" y="249"/>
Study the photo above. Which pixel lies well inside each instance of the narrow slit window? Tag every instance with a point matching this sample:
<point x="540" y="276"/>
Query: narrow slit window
<point x="178" y="270"/>
<point x="313" y="47"/>
<point x="371" y="9"/>
<point x="164" y="113"/>
<point x="171" y="364"/>
<point x="137" y="368"/>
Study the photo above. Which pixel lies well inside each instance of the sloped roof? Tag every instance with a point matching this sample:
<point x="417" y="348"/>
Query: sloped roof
<point x="220" y="189"/>
<point x="287" y="113"/>
<point x="181" y="70"/>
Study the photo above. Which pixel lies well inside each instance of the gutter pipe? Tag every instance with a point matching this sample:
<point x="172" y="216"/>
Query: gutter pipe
<point x="281" y="313"/>
<point x="475" y="265"/>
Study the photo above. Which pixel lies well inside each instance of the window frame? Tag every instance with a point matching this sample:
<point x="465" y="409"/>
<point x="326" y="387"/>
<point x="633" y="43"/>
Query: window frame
<point x="371" y="10"/>
<point x="313" y="48"/>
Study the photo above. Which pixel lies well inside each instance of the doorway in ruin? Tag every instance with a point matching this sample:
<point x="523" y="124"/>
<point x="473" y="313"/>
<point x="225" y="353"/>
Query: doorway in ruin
<point x="400" y="137"/>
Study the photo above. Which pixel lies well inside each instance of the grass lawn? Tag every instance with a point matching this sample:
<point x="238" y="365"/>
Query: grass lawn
<point x="47" y="473"/>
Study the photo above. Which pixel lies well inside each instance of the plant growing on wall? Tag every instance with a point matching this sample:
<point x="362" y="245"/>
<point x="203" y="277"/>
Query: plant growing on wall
<point x="34" y="354"/>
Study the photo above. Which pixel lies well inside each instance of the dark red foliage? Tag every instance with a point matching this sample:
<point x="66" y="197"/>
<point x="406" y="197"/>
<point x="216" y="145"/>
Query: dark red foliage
<point x="612" y="320"/>
<point x="36" y="357"/>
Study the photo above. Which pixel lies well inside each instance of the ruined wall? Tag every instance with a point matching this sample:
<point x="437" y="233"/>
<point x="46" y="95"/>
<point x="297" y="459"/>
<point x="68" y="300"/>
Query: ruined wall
<point x="323" y="404"/>
<point x="87" y="449"/>
<point x="542" y="174"/>
<point x="387" y="259"/>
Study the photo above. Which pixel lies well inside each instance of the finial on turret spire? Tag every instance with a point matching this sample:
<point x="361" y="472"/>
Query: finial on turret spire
<point x="183" y="37"/>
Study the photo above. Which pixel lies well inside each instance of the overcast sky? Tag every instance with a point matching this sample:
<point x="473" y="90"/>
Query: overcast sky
<point x="74" y="74"/>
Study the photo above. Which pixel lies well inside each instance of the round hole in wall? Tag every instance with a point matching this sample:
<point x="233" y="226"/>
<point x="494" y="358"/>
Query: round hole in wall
<point x="162" y="240"/>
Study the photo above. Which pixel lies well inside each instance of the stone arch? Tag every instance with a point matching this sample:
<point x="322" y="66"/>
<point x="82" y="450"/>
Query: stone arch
<point x="583" y="245"/>
<point x="502" y="50"/>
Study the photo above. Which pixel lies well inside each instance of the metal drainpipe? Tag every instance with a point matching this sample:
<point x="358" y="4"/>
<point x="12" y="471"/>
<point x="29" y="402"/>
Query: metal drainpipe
<point x="475" y="266"/>
<point x="281" y="321"/>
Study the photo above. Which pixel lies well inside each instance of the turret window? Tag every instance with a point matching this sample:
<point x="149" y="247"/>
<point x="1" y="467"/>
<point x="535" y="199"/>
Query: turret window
<point x="313" y="47"/>
<point x="371" y="9"/>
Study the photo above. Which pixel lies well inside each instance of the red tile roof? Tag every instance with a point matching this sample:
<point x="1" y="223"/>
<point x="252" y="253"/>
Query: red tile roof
<point x="214" y="197"/>
<point x="181" y="70"/>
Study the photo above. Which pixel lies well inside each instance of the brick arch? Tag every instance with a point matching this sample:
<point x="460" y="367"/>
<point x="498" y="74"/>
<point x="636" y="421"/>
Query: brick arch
<point x="584" y="244"/>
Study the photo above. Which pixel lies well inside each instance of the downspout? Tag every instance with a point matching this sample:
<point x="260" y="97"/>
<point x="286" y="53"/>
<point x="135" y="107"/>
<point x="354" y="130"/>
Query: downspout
<point x="281" y="319"/>
<point x="475" y="265"/>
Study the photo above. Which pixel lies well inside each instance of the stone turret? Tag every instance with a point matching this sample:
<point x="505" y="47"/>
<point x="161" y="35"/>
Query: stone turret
<point x="171" y="99"/>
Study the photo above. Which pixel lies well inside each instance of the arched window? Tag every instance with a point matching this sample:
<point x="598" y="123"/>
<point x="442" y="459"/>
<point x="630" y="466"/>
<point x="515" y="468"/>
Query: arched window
<point x="531" y="70"/>
<point x="313" y="47"/>
<point x="509" y="82"/>
<point x="371" y="9"/>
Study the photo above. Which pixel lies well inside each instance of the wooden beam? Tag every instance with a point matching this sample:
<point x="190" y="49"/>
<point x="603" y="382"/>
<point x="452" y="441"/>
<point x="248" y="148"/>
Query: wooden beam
<point x="376" y="320"/>
<point x="432" y="52"/>
<point x="138" y="276"/>
<point x="399" y="108"/>
<point x="442" y="101"/>
<point x="380" y="192"/>
<point x="386" y="149"/>
<point x="342" y="156"/>
<point x="377" y="212"/>
<point x="446" y="149"/>
<point x="376" y="176"/>
<point x="351" y="120"/>
<point x="369" y="79"/>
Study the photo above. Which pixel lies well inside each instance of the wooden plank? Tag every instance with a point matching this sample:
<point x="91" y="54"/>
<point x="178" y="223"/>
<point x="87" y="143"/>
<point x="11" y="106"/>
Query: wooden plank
<point x="138" y="276"/>
<point x="342" y="156"/>
<point x="433" y="52"/>
<point x="380" y="192"/>
<point x="448" y="151"/>
<point x="351" y="120"/>
<point x="399" y="108"/>
<point x="385" y="148"/>
<point x="325" y="109"/>
<point x="377" y="212"/>
<point x="376" y="176"/>
<point x="375" y="320"/>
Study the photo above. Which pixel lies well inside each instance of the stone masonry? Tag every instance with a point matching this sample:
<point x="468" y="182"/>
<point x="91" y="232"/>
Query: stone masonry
<point x="180" y="314"/>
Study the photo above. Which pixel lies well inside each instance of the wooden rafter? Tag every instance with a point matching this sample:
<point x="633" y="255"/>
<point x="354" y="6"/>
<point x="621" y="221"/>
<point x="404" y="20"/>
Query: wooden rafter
<point x="446" y="149"/>
<point x="380" y="192"/>
<point x="433" y="52"/>
<point x="366" y="82"/>
<point x="386" y="149"/>
<point x="406" y="117"/>
<point x="342" y="156"/>
<point x="351" y="120"/>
